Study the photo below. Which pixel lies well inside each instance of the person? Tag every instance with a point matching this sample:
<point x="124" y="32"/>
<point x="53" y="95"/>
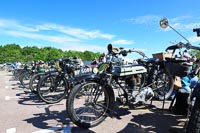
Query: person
<point x="33" y="64"/>
<point x="94" y="62"/>
<point x="102" y="58"/>
<point x="78" y="60"/>
<point x="183" y="93"/>
<point x="15" y="65"/>
<point x="81" y="63"/>
<point x="19" y="64"/>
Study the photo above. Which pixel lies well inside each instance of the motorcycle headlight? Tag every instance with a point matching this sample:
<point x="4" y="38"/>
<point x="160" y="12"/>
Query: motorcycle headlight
<point x="95" y="70"/>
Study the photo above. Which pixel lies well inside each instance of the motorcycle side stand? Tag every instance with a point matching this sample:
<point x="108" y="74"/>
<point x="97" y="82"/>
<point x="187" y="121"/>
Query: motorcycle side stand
<point x="163" y="104"/>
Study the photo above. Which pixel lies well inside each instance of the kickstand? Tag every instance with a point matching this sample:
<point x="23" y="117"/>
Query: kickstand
<point x="163" y="103"/>
<point x="172" y="102"/>
<point x="150" y="105"/>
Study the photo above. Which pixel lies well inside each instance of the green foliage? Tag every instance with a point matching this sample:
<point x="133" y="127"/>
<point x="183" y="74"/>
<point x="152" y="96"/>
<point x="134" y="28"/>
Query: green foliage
<point x="13" y="52"/>
<point x="196" y="53"/>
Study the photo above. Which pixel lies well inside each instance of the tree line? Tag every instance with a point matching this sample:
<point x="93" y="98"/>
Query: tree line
<point x="13" y="52"/>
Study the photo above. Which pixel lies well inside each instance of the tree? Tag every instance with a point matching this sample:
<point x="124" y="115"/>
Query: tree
<point x="13" y="52"/>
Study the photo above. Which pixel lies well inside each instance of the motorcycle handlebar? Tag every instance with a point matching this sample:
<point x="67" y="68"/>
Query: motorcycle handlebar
<point x="140" y="52"/>
<point x="182" y="45"/>
<point x="194" y="47"/>
<point x="172" y="47"/>
<point x="125" y="52"/>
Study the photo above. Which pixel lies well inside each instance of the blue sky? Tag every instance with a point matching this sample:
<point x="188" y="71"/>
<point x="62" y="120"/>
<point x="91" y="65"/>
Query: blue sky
<point x="92" y="24"/>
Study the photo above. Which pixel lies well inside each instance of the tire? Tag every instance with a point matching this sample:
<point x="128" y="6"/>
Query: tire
<point x="25" y="79"/>
<point x="194" y="120"/>
<point x="52" y="88"/>
<point x="81" y="108"/>
<point x="17" y="73"/>
<point x="34" y="81"/>
<point x="163" y="85"/>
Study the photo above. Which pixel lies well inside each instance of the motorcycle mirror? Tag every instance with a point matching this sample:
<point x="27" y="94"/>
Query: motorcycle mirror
<point x="164" y="23"/>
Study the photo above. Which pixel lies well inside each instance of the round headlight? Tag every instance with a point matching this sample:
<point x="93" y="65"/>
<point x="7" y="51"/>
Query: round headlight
<point x="95" y="70"/>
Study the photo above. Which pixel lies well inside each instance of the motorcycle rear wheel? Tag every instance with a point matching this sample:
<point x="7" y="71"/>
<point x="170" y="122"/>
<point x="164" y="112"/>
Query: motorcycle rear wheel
<point x="163" y="85"/>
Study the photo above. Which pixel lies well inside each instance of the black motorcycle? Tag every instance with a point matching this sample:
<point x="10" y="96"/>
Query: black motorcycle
<point x="193" y="125"/>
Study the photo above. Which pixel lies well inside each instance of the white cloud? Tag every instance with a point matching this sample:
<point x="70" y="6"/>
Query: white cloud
<point x="76" y="32"/>
<point x="84" y="47"/>
<point x="54" y="33"/>
<point x="181" y="18"/>
<point x="194" y="39"/>
<point x="123" y="42"/>
<point x="147" y="19"/>
<point x="188" y="26"/>
<point x="14" y="25"/>
<point x="186" y="22"/>
<point x="55" y="39"/>
<point x="70" y="31"/>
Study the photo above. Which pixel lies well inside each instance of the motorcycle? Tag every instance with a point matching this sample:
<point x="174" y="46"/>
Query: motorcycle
<point x="93" y="100"/>
<point x="158" y="78"/>
<point x="193" y="125"/>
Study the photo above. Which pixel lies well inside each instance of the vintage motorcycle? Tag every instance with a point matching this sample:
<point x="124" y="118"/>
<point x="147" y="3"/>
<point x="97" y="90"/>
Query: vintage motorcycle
<point x="193" y="125"/>
<point x="93" y="100"/>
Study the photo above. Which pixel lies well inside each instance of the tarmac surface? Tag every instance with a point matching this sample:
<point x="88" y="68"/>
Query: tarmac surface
<point x="23" y="112"/>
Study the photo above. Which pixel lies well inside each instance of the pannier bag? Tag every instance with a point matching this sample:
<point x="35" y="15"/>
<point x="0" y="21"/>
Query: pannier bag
<point x="177" y="69"/>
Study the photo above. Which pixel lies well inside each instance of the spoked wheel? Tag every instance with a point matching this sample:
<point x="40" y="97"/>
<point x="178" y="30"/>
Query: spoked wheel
<point x="52" y="88"/>
<point x="25" y="79"/>
<point x="34" y="81"/>
<point x="88" y="105"/>
<point x="163" y="85"/>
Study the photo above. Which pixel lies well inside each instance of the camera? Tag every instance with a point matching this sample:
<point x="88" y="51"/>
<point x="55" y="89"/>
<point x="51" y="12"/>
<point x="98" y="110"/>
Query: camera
<point x="197" y="30"/>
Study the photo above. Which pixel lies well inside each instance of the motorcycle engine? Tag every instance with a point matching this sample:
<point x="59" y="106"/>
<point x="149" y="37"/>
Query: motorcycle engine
<point x="144" y="95"/>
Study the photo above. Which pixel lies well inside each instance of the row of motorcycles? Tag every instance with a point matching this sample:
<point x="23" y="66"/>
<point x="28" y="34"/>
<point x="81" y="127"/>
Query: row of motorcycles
<point x="91" y="96"/>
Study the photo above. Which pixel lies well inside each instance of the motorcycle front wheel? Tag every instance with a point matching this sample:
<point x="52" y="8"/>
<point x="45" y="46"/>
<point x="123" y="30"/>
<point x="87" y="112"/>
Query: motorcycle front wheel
<point x="89" y="104"/>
